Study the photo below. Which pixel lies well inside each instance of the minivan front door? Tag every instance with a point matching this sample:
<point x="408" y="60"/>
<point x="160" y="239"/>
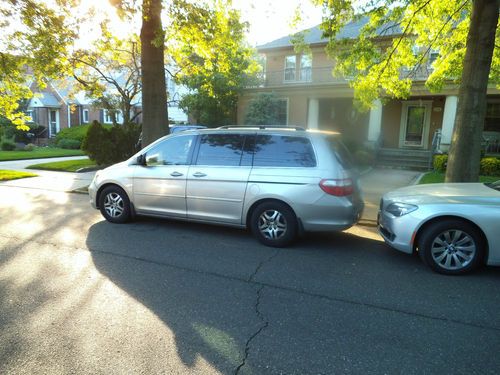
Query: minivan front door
<point x="217" y="179"/>
<point x="160" y="186"/>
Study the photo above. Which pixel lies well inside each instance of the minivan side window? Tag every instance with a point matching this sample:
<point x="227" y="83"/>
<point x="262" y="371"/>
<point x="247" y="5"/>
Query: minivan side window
<point x="172" y="151"/>
<point x="283" y="151"/>
<point x="220" y="149"/>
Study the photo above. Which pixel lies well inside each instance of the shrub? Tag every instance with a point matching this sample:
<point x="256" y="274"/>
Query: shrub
<point x="29" y="147"/>
<point x="8" y="145"/>
<point x="71" y="144"/>
<point x="77" y="133"/>
<point x="107" y="146"/>
<point x="440" y="162"/>
<point x="490" y="167"/>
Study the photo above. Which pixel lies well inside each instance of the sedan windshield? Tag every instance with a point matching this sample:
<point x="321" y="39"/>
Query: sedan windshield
<point x="494" y="185"/>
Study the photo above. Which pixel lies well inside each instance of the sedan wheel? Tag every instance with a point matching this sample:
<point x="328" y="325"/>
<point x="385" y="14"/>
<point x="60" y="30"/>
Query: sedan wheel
<point x="451" y="247"/>
<point x="274" y="224"/>
<point x="114" y="205"/>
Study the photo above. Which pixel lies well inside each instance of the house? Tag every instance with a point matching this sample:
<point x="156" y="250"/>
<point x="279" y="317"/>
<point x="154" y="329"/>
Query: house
<point x="56" y="107"/>
<point x="313" y="98"/>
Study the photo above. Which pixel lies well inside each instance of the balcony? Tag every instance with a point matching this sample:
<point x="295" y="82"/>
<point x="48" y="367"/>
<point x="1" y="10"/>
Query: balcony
<point x="321" y="77"/>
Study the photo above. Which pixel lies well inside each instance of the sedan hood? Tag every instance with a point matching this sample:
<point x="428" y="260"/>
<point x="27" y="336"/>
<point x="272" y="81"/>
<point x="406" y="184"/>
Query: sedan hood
<point x="448" y="192"/>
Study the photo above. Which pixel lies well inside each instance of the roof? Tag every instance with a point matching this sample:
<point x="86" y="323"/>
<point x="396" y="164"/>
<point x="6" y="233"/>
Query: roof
<point x="48" y="100"/>
<point x="314" y="35"/>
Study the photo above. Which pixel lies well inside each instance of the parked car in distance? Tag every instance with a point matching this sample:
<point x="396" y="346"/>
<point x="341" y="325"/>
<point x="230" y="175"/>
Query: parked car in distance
<point x="277" y="181"/>
<point x="455" y="227"/>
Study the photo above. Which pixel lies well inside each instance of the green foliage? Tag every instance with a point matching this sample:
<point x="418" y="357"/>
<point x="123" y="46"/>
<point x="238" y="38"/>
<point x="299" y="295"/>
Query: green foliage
<point x="37" y="153"/>
<point x="438" y="177"/>
<point x="21" y="135"/>
<point x="7" y="145"/>
<point x="490" y="167"/>
<point x="263" y="110"/>
<point x="71" y="144"/>
<point x="213" y="58"/>
<point x="29" y="147"/>
<point x="34" y="34"/>
<point x="6" y="175"/>
<point x="439" y="162"/>
<point x="378" y="67"/>
<point x="75" y="133"/>
<point x="108" y="146"/>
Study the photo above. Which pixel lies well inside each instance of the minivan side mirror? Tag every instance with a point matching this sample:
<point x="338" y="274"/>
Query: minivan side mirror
<point x="141" y="160"/>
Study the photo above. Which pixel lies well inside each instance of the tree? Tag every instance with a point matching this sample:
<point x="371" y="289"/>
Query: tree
<point x="212" y="58"/>
<point x="397" y="40"/>
<point x="154" y="94"/>
<point x="110" y="74"/>
<point x="35" y="39"/>
<point x="263" y="110"/>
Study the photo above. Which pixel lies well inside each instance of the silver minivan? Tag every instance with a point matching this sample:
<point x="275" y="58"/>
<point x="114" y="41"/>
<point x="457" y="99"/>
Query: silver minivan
<point x="277" y="181"/>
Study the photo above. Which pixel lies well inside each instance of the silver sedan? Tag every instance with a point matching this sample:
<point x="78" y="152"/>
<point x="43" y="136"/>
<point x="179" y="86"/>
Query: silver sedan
<point x="455" y="227"/>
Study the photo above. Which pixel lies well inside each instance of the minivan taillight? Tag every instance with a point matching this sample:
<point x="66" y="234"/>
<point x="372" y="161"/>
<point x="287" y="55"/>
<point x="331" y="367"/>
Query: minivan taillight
<point x="338" y="187"/>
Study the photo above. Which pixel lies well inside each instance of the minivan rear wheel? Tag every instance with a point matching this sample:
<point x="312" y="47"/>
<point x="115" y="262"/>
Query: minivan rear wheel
<point x="274" y="224"/>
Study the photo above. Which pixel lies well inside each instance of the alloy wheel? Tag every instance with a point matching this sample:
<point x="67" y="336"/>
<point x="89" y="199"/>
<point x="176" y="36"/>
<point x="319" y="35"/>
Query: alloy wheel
<point x="453" y="249"/>
<point x="113" y="204"/>
<point x="272" y="224"/>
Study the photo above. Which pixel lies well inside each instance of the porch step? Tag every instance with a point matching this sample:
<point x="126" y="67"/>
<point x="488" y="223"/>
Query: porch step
<point x="405" y="159"/>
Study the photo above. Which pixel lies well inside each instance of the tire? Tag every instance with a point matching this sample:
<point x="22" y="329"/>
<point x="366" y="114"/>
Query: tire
<point x="274" y="224"/>
<point x="114" y="205"/>
<point x="452" y="247"/>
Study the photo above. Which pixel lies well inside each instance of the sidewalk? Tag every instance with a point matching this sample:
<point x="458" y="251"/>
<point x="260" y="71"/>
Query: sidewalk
<point x="47" y="180"/>
<point x="377" y="182"/>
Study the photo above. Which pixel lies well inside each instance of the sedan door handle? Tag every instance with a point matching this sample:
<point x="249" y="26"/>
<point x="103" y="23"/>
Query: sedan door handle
<point x="176" y="174"/>
<point x="199" y="174"/>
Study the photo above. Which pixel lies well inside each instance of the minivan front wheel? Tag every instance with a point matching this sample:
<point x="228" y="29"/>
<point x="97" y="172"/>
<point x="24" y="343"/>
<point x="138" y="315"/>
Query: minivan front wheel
<point x="274" y="224"/>
<point x="114" y="205"/>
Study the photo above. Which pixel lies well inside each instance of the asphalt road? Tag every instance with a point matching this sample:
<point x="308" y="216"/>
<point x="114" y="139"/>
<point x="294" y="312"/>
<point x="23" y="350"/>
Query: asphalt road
<point x="80" y="295"/>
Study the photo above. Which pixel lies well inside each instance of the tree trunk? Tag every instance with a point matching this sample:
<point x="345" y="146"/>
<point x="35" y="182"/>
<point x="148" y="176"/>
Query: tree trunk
<point x="154" y="93"/>
<point x="465" y="150"/>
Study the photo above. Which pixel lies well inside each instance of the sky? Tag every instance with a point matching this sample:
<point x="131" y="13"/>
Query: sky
<point x="268" y="19"/>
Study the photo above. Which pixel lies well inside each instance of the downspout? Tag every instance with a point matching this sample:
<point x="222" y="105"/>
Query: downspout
<point x="69" y="116"/>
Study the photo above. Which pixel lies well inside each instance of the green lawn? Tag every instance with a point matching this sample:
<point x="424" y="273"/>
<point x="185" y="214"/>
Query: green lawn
<point x="437" y="177"/>
<point x="6" y="175"/>
<point x="64" y="166"/>
<point x="40" y="152"/>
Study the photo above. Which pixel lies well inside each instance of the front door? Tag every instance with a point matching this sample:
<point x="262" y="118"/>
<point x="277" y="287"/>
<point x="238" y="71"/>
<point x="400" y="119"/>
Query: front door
<point x="160" y="186"/>
<point x="415" y="122"/>
<point x="53" y="122"/>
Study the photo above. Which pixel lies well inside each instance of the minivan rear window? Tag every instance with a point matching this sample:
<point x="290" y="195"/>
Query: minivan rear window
<point x="283" y="151"/>
<point x="220" y="149"/>
<point x="341" y="152"/>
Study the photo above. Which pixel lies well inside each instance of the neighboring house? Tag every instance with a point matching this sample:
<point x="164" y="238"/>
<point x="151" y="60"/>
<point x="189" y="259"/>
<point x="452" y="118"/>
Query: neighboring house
<point x="55" y="108"/>
<point x="313" y="98"/>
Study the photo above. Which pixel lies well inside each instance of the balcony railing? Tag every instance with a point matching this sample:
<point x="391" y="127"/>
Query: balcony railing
<point x="322" y="76"/>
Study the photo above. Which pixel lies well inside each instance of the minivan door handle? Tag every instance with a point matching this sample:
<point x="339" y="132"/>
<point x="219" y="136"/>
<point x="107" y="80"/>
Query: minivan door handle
<point x="176" y="174"/>
<point x="199" y="174"/>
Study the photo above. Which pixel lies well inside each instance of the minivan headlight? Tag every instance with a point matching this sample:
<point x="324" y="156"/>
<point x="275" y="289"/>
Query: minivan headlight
<point x="400" y="209"/>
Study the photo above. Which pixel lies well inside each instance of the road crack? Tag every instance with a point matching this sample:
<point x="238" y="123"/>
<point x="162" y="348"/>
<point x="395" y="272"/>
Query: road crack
<point x="264" y="323"/>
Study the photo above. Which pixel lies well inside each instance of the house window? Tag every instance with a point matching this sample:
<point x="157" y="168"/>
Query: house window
<point x="107" y="119"/>
<point x="433" y="56"/>
<point x="29" y="114"/>
<point x="305" y="68"/>
<point x="85" y="116"/>
<point x="492" y="118"/>
<point x="290" y="65"/>
<point x="282" y="118"/>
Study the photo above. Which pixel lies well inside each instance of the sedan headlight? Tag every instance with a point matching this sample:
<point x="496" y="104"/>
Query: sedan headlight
<point x="400" y="209"/>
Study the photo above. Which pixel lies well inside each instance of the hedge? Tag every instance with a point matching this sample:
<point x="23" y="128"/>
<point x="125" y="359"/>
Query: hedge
<point x="488" y="166"/>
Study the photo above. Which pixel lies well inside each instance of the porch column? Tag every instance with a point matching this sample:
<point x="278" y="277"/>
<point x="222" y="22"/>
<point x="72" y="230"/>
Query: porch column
<point x="313" y="114"/>
<point x="450" y="111"/>
<point x="375" y="121"/>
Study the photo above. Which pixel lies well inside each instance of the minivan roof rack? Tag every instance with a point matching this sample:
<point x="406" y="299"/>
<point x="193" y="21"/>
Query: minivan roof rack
<point x="261" y="127"/>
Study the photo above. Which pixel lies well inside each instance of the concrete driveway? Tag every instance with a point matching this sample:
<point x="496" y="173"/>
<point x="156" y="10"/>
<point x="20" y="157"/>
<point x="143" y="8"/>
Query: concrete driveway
<point x="48" y="180"/>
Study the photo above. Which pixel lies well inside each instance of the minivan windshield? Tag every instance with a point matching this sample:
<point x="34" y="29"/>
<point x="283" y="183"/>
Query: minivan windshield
<point x="341" y="152"/>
